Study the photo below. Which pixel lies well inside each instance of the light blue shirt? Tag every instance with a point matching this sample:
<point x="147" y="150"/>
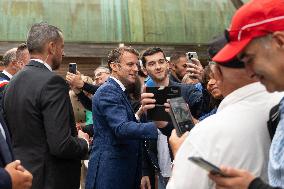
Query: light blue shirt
<point x="276" y="156"/>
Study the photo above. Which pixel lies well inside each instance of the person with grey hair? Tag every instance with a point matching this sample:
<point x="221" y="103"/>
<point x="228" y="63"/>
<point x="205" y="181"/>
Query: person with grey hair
<point x="101" y="75"/>
<point x="13" y="60"/>
<point x="11" y="67"/>
<point x="40" y="117"/>
<point x="23" y="55"/>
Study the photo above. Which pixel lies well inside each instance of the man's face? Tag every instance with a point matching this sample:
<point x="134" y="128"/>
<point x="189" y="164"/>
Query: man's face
<point x="24" y="59"/>
<point x="180" y="67"/>
<point x="101" y="76"/>
<point x="266" y="62"/>
<point x="58" y="54"/>
<point x="157" y="67"/>
<point x="127" y="69"/>
<point x="212" y="86"/>
<point x="218" y="81"/>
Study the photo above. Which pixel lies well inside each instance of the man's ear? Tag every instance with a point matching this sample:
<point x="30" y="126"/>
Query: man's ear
<point x="171" y="64"/>
<point x="144" y="70"/>
<point x="113" y="66"/>
<point x="51" y="48"/>
<point x="278" y="36"/>
<point x="14" y="64"/>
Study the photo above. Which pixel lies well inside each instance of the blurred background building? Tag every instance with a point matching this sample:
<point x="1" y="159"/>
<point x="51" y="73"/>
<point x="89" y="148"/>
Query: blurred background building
<point x="93" y="27"/>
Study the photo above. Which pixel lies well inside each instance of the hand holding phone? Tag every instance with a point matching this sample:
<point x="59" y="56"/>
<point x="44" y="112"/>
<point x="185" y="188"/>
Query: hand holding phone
<point x="191" y="55"/>
<point x="73" y="68"/>
<point x="161" y="94"/>
<point x="213" y="169"/>
<point x="180" y="115"/>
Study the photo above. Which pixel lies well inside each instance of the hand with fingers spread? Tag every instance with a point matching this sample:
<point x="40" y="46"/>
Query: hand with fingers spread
<point x="194" y="69"/>
<point x="236" y="178"/>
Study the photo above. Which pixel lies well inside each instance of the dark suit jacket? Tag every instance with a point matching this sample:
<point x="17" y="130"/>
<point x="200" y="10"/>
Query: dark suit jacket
<point x="4" y="79"/>
<point x="84" y="99"/>
<point x="41" y="120"/>
<point x="6" y="157"/>
<point x="115" y="160"/>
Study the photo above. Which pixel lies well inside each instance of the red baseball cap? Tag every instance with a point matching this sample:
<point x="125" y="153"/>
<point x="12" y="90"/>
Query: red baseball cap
<point x="255" y="19"/>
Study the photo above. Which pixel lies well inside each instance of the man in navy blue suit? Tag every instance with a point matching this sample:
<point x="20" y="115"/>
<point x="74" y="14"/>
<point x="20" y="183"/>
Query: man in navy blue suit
<point x="115" y="161"/>
<point x="12" y="174"/>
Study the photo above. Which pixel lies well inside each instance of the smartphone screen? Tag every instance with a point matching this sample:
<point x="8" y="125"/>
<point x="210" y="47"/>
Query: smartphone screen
<point x="206" y="165"/>
<point x="180" y="115"/>
<point x="73" y="68"/>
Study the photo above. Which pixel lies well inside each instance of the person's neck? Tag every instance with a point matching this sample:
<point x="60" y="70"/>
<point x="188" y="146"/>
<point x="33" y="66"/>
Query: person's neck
<point x="164" y="82"/>
<point x="233" y="87"/>
<point x="41" y="57"/>
<point x="116" y="77"/>
<point x="10" y="70"/>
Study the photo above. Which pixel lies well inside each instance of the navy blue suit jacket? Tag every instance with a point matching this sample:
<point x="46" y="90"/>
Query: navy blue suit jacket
<point x="6" y="157"/>
<point x="115" y="160"/>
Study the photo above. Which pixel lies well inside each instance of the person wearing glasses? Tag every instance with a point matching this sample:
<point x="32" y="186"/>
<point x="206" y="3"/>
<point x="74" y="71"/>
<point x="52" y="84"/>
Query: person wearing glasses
<point x="101" y="75"/>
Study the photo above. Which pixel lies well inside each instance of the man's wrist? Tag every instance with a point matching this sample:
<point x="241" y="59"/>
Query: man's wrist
<point x="81" y="84"/>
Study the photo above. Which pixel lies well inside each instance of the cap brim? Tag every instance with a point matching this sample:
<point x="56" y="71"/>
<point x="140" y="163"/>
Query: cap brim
<point x="230" y="51"/>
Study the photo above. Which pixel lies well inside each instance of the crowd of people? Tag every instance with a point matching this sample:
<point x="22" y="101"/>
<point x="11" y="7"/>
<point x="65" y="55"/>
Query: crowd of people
<point x="95" y="133"/>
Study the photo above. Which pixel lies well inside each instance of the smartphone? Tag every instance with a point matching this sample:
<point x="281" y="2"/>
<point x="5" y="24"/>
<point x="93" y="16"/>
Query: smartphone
<point x="73" y="68"/>
<point x="191" y="55"/>
<point x="213" y="169"/>
<point x="180" y="115"/>
<point x="161" y="94"/>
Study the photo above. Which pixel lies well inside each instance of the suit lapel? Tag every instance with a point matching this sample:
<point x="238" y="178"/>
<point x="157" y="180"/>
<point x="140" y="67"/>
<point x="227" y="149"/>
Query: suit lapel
<point x="127" y="101"/>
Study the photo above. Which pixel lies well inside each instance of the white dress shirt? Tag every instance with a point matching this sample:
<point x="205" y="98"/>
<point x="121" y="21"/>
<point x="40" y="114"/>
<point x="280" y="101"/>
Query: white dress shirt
<point x="44" y="63"/>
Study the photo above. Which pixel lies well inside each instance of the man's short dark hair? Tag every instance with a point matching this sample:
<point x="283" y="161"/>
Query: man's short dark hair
<point x="40" y="34"/>
<point x="176" y="56"/>
<point x="21" y="48"/>
<point x="115" y="55"/>
<point x="150" y="51"/>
